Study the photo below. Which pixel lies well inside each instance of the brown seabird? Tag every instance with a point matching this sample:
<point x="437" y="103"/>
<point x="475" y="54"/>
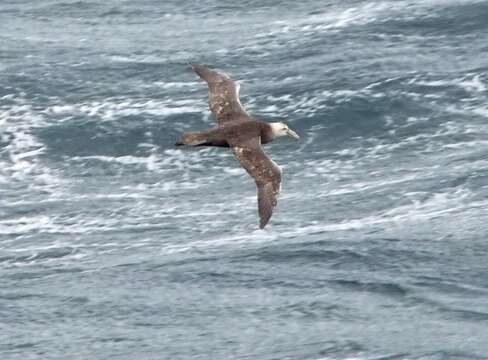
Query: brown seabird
<point x="244" y="134"/>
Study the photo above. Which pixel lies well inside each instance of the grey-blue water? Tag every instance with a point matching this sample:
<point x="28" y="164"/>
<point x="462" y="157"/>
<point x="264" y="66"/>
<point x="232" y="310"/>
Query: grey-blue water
<point x="114" y="244"/>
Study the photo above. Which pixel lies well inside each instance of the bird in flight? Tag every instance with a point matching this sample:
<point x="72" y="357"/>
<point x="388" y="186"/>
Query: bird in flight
<point x="244" y="135"/>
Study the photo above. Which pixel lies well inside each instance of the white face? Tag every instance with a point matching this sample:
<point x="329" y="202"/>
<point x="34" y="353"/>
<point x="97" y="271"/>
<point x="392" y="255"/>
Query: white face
<point x="281" y="129"/>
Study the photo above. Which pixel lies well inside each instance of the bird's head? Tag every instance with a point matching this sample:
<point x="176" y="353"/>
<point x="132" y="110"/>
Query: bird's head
<point x="280" y="129"/>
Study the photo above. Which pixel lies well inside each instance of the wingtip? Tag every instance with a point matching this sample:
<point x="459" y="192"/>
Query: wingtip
<point x="197" y="69"/>
<point x="194" y="66"/>
<point x="262" y="224"/>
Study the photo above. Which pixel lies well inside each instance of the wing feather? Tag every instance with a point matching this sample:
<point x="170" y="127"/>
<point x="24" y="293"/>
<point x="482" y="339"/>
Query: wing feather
<point x="223" y="95"/>
<point x="266" y="174"/>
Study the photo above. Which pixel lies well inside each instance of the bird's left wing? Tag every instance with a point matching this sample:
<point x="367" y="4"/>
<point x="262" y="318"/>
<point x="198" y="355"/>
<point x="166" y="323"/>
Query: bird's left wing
<point x="223" y="95"/>
<point x="266" y="174"/>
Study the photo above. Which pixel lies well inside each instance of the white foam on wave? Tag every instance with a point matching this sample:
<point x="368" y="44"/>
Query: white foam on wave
<point x="73" y="225"/>
<point x="137" y="192"/>
<point x="436" y="206"/>
<point x="150" y="162"/>
<point x="340" y="17"/>
<point x="367" y="186"/>
<point x="20" y="157"/>
<point x="83" y="224"/>
<point x="177" y="54"/>
<point x="481" y="111"/>
<point x="284" y="106"/>
<point x="464" y="145"/>
<point x="243" y="238"/>
<point x="417" y="212"/>
<point x="467" y="109"/>
<point x="175" y="84"/>
<point x="310" y="103"/>
<point x="143" y="215"/>
<point x="140" y="59"/>
<point x="429" y="141"/>
<point x="24" y="224"/>
<point x="296" y="28"/>
<point x="112" y="109"/>
<point x="333" y="19"/>
<point x="471" y="83"/>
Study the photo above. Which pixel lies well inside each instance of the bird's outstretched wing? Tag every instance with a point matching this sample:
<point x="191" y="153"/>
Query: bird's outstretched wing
<point x="266" y="174"/>
<point x="223" y="95"/>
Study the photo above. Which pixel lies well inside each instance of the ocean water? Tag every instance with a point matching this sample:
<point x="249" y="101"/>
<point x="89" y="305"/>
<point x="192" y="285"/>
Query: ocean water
<point x="114" y="244"/>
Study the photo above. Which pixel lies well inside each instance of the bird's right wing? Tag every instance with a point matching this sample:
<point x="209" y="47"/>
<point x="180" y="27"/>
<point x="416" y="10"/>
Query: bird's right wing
<point x="223" y="95"/>
<point x="266" y="174"/>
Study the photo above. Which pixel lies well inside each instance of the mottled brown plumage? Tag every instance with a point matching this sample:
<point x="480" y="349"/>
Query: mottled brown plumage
<point x="244" y="134"/>
<point x="223" y="95"/>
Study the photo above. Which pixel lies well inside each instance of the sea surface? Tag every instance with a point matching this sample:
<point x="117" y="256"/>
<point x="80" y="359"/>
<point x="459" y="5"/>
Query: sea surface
<point x="114" y="244"/>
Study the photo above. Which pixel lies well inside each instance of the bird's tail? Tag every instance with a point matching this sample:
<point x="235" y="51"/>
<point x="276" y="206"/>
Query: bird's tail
<point x="193" y="139"/>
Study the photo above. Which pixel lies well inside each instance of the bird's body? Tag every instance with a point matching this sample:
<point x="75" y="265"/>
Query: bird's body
<point x="244" y="134"/>
<point x="231" y="134"/>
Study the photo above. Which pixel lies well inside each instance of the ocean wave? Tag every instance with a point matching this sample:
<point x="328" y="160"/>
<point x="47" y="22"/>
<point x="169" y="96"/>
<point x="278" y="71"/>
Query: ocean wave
<point x="470" y="82"/>
<point x="384" y="197"/>
<point x="417" y="212"/>
<point x="20" y="154"/>
<point x="114" y="108"/>
<point x="334" y="19"/>
<point x="142" y="59"/>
